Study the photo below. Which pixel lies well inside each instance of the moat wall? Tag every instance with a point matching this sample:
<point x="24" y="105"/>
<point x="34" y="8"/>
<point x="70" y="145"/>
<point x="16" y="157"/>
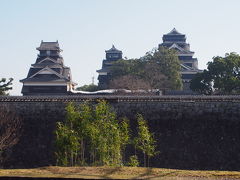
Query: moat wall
<point x="193" y="132"/>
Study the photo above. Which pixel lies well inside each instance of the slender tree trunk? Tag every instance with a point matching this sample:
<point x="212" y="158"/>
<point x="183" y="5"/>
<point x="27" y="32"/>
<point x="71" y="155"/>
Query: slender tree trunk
<point x="94" y="157"/>
<point x="148" y="160"/>
<point x="66" y="160"/>
<point x="123" y="156"/>
<point x="144" y="157"/>
<point x="83" y="153"/>
<point x="75" y="158"/>
<point x="71" y="158"/>
<point x="71" y="151"/>
<point x="83" y="150"/>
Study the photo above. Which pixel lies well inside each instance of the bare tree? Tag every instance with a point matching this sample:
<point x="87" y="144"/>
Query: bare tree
<point x="154" y="77"/>
<point x="10" y="128"/>
<point x="151" y="78"/>
<point x="129" y="82"/>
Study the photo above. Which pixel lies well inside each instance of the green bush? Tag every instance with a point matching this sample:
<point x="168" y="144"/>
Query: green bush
<point x="133" y="161"/>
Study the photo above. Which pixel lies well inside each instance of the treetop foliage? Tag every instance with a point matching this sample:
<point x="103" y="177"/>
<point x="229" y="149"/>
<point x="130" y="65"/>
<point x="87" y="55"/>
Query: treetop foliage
<point x="222" y="76"/>
<point x="159" y="69"/>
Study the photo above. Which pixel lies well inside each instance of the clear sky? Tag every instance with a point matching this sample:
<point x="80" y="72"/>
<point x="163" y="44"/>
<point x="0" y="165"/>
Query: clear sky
<point x="86" y="28"/>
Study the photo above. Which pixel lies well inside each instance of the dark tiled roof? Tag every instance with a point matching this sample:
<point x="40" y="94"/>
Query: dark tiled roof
<point x="44" y="79"/>
<point x="51" y="65"/>
<point x="174" y="32"/>
<point x="49" y="46"/>
<point x="58" y="70"/>
<point x="58" y="60"/>
<point x="113" y="50"/>
<point x="103" y="70"/>
<point x="180" y="50"/>
<point x="33" y="71"/>
<point x="40" y="58"/>
<point x="65" y="72"/>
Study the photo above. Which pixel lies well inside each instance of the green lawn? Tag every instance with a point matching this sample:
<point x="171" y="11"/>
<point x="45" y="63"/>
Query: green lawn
<point x="119" y="173"/>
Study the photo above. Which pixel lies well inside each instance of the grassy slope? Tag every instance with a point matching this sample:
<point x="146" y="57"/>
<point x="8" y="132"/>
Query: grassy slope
<point x="119" y="172"/>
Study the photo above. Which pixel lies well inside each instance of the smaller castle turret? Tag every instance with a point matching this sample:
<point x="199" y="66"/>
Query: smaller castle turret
<point x="112" y="55"/>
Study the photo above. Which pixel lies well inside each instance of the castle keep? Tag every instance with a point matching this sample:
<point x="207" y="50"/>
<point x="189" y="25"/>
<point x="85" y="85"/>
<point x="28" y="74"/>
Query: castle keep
<point x="189" y="65"/>
<point x="48" y="75"/>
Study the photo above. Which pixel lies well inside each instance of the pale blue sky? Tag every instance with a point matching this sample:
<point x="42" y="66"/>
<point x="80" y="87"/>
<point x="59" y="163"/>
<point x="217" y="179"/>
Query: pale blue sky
<point x="85" y="29"/>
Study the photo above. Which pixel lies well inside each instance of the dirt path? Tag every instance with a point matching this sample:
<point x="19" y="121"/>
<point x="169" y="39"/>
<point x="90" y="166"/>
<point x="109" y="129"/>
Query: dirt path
<point x="54" y="172"/>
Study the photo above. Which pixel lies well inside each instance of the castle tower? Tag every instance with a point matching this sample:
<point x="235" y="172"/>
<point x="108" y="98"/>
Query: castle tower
<point x="112" y="55"/>
<point x="49" y="75"/>
<point x="189" y="65"/>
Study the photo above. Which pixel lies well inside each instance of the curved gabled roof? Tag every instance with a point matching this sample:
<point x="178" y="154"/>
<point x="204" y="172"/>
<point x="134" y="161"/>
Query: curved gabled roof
<point x="180" y="50"/>
<point x="113" y="50"/>
<point x="49" y="46"/>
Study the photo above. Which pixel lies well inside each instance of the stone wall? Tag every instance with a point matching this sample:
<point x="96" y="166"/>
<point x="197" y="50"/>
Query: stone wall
<point x="193" y="132"/>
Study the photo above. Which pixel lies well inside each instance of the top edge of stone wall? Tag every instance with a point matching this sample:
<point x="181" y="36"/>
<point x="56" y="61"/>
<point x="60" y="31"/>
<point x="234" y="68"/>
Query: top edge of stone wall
<point x="118" y="98"/>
